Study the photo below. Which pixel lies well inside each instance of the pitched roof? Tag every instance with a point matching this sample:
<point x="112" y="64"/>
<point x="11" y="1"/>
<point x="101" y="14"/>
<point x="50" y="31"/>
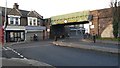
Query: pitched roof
<point x="24" y="13"/>
<point x="34" y="14"/>
<point x="15" y="12"/>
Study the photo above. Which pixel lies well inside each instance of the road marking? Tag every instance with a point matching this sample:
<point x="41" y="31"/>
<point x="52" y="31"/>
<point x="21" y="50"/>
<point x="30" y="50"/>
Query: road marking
<point x="8" y="48"/>
<point x="5" y="48"/>
<point x="21" y="56"/>
<point x="24" y="58"/>
<point x="18" y="54"/>
<point x="15" y="52"/>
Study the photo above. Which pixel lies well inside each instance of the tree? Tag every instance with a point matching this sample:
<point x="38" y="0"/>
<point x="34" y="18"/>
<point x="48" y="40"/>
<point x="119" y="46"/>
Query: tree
<point x="115" y="16"/>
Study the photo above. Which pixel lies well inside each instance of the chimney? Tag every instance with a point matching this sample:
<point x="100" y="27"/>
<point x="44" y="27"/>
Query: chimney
<point x="16" y="6"/>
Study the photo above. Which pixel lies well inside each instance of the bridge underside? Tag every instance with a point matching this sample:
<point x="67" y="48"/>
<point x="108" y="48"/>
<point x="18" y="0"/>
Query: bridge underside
<point x="59" y="29"/>
<point x="74" y="23"/>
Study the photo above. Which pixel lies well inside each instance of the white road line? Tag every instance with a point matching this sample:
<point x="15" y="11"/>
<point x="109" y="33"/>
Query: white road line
<point x="8" y="48"/>
<point x="16" y="52"/>
<point x="21" y="56"/>
<point x="24" y="58"/>
<point x="5" y="48"/>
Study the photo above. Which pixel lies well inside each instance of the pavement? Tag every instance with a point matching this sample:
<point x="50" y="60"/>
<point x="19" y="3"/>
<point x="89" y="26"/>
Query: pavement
<point x="23" y="62"/>
<point x="102" y="41"/>
<point x="100" y="45"/>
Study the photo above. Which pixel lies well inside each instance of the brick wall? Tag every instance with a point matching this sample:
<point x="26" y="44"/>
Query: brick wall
<point x="94" y="22"/>
<point x="101" y="19"/>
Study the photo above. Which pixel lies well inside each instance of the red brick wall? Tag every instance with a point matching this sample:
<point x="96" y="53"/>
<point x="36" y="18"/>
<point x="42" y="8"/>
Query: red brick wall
<point x="1" y="35"/>
<point x="94" y="22"/>
<point x="101" y="19"/>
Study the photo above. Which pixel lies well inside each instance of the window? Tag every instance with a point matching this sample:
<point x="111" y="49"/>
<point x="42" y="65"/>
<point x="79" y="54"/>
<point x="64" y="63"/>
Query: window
<point x="16" y="21"/>
<point x="38" y="22"/>
<point x="11" y="35"/>
<point x="34" y="21"/>
<point x="16" y="36"/>
<point x="30" y="21"/>
<point x="11" y="20"/>
<point x="22" y="35"/>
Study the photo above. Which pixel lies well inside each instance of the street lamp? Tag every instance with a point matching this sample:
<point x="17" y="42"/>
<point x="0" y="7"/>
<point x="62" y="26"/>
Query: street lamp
<point x="4" y="27"/>
<point x="48" y="32"/>
<point x="65" y="21"/>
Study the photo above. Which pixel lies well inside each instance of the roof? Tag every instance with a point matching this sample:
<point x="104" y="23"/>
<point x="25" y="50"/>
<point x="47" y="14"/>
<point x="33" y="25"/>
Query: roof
<point x="34" y="14"/>
<point x="23" y="12"/>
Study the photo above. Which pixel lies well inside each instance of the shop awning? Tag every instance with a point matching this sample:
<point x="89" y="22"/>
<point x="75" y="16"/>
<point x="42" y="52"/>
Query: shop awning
<point x="35" y="28"/>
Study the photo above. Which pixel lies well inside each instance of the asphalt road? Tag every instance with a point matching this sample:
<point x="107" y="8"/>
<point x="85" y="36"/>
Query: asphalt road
<point x="63" y="56"/>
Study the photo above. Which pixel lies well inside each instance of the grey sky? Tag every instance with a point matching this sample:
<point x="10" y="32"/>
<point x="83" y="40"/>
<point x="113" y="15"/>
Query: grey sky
<point x="48" y="8"/>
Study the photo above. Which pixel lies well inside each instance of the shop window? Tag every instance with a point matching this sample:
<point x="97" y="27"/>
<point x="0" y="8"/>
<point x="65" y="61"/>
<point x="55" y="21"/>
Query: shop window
<point x="11" y="36"/>
<point x="15" y="36"/>
<point x="22" y="35"/>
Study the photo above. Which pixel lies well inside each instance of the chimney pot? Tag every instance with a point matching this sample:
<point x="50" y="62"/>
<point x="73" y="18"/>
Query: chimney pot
<point x="16" y="6"/>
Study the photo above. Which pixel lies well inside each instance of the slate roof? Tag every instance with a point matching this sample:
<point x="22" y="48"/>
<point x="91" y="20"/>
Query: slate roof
<point x="23" y="12"/>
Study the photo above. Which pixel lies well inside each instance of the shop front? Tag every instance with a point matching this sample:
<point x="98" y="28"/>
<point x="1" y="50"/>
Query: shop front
<point x="34" y="30"/>
<point x="15" y="34"/>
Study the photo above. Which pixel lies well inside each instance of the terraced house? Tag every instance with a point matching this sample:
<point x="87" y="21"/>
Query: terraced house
<point x="22" y="24"/>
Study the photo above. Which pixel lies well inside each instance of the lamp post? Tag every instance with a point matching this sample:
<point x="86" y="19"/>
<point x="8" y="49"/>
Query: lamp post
<point x="5" y="21"/>
<point x="48" y="32"/>
<point x="65" y="21"/>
